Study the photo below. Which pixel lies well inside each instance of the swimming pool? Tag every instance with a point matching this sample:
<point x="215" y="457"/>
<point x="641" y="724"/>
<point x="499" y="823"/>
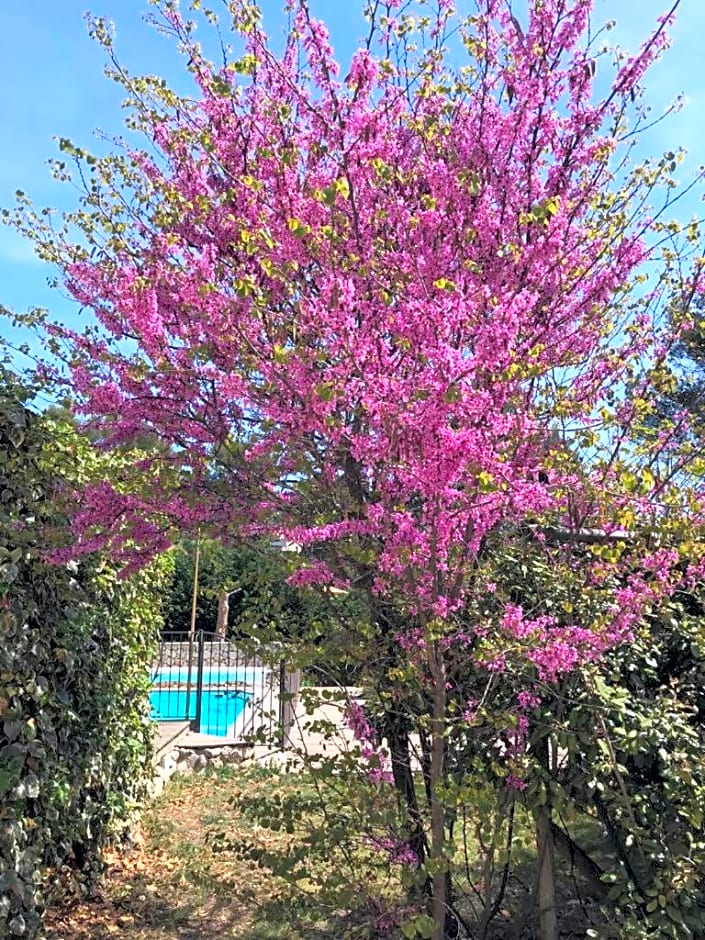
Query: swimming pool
<point x="220" y="709"/>
<point x="226" y="693"/>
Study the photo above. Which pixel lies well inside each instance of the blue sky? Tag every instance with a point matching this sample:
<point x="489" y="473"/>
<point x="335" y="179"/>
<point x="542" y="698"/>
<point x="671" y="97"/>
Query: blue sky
<point x="52" y="84"/>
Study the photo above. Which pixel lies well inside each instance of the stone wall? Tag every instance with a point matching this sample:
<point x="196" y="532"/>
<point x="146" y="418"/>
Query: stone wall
<point x="216" y="653"/>
<point x="188" y="760"/>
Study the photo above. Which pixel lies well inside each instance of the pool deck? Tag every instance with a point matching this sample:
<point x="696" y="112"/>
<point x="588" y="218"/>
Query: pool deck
<point x="169" y="733"/>
<point x="306" y="738"/>
<point x="172" y="734"/>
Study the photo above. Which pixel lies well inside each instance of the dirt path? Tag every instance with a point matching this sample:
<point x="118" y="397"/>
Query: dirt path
<point x="172" y="886"/>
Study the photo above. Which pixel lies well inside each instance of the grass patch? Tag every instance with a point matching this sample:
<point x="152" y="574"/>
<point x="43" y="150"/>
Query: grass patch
<point x="177" y="884"/>
<point x="211" y="845"/>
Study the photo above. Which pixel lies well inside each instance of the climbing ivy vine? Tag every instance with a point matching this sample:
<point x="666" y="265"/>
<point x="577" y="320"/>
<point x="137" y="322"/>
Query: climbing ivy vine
<point x="75" y="644"/>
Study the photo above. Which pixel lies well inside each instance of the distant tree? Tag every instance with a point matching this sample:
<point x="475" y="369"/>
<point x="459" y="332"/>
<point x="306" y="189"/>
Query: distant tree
<point x="255" y="580"/>
<point x="682" y="396"/>
<point x="314" y="628"/>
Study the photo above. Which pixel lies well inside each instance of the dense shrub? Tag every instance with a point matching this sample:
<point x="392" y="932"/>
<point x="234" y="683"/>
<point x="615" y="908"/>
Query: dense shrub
<point x="75" y="736"/>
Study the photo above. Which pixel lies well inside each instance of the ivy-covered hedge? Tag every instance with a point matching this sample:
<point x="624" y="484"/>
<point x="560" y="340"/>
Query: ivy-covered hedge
<point x="75" y="642"/>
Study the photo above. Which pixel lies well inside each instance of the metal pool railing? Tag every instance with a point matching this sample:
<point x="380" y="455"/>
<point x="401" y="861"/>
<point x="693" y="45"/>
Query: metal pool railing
<point x="222" y="689"/>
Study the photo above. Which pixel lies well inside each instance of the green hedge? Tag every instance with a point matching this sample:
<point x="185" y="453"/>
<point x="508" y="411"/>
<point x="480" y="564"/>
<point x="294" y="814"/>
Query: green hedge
<point x="75" y="640"/>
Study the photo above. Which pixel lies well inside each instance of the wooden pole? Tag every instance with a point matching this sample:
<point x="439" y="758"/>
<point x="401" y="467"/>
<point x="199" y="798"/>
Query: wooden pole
<point x="192" y="630"/>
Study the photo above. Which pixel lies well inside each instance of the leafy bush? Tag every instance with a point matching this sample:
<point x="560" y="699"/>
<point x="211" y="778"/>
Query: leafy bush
<point x="75" y="735"/>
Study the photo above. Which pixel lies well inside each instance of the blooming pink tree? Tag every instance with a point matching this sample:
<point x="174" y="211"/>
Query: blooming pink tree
<point x="393" y="312"/>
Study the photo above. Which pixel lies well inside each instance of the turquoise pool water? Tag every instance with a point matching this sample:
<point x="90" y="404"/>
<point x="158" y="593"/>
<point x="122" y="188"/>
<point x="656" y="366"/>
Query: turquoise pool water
<point x="215" y="676"/>
<point x="219" y="709"/>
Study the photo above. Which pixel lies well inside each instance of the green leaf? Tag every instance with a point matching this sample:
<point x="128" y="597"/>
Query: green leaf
<point x="452" y="395"/>
<point x="297" y="228"/>
<point x="8" y="779"/>
<point x="486" y="482"/>
<point x="325" y="391"/>
<point x="424" y="926"/>
<point x="342" y="187"/>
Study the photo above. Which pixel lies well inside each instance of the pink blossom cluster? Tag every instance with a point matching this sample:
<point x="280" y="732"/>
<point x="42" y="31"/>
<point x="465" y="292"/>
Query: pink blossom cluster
<point x="412" y="640"/>
<point x="377" y="761"/>
<point x="528" y="700"/>
<point x="470" y="710"/>
<point x="398" y="851"/>
<point x="316" y="574"/>
<point x="355" y="317"/>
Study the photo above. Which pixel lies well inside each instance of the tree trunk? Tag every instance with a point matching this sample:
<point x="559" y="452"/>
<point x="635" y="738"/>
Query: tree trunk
<point x="395" y="727"/>
<point x="546" y="851"/>
<point x="579" y="859"/>
<point x="546" y="877"/>
<point x="221" y="624"/>
<point x="396" y="731"/>
<point x="438" y="815"/>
